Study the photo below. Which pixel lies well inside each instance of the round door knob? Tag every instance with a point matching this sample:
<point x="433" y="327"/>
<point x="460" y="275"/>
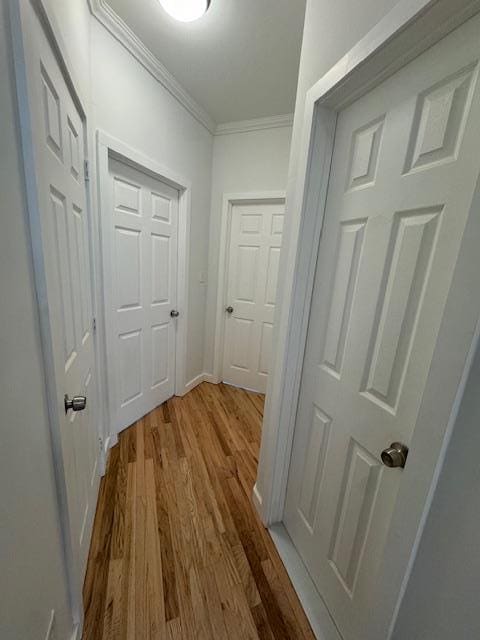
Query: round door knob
<point x="174" y="313"/>
<point x="395" y="455"/>
<point x="229" y="309"/>
<point x="77" y="403"/>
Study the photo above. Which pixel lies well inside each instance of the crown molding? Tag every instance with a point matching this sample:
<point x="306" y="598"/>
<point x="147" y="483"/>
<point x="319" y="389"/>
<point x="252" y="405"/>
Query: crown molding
<point x="242" y="126"/>
<point x="120" y="30"/>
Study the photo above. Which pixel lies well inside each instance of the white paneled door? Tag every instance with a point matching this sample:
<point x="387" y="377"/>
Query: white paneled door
<point x="254" y="252"/>
<point x="405" y="166"/>
<point x="141" y="280"/>
<point x="58" y="146"/>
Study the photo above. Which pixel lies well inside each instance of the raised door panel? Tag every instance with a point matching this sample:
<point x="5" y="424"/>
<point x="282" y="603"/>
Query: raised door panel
<point x="160" y="354"/>
<point x="410" y="253"/>
<point x="161" y="260"/>
<point x="128" y="265"/>
<point x="346" y="272"/>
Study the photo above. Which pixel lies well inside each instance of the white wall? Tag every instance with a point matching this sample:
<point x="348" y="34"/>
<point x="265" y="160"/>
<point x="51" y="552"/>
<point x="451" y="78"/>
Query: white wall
<point x="32" y="581"/>
<point x="242" y="162"/>
<point x="129" y="104"/>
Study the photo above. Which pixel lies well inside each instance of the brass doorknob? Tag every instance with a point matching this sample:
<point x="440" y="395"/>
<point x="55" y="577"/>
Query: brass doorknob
<point x="77" y="403"/>
<point x="395" y="455"/>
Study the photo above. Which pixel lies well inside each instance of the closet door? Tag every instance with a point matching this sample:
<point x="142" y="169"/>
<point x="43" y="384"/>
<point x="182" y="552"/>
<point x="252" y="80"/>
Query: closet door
<point x="141" y="242"/>
<point x="254" y="252"/>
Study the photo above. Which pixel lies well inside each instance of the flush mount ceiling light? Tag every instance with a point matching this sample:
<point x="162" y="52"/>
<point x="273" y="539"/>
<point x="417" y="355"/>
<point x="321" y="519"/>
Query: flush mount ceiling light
<point x="185" y="10"/>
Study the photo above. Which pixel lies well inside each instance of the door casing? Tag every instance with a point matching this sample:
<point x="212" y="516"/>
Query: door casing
<point x="229" y="201"/>
<point x="405" y="32"/>
<point x="110" y="147"/>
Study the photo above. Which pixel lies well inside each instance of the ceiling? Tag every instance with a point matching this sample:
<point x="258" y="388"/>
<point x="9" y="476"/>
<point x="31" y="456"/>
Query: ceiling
<point x="239" y="61"/>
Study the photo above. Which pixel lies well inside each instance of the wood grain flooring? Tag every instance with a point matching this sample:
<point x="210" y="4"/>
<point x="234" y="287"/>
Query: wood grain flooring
<point x="178" y="552"/>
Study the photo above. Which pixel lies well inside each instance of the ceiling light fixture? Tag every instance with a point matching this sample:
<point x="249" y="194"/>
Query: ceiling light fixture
<point x="185" y="10"/>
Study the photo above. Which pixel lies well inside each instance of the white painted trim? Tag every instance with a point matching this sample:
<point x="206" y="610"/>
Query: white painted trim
<point x="409" y="29"/>
<point x="108" y="146"/>
<point x="194" y="382"/>
<point x="230" y="199"/>
<point x="77" y="632"/>
<point x="104" y="13"/>
<point x="242" y="126"/>
<point x="210" y="378"/>
<point x="315" y="609"/>
<point x="52" y="33"/>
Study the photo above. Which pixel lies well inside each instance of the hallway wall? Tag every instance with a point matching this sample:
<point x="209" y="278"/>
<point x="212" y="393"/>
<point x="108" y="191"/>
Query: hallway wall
<point x="242" y="162"/>
<point x="129" y="104"/>
<point x="31" y="561"/>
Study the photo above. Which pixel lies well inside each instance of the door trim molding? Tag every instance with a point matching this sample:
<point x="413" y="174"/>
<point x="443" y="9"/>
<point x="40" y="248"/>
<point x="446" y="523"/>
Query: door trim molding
<point x="110" y="147"/>
<point x="402" y="35"/>
<point x="229" y="200"/>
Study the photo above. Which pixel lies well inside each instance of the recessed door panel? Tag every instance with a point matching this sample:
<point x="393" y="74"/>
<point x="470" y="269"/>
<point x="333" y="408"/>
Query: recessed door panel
<point x="160" y="349"/>
<point x="130" y="362"/>
<point x="128" y="265"/>
<point x="160" y="268"/>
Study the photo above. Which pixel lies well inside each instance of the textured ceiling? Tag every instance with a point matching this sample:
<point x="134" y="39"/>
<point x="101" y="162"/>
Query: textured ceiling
<point x="239" y="61"/>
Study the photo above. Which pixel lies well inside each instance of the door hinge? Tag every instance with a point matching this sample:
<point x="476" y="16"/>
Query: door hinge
<point x="94" y="325"/>
<point x="86" y="170"/>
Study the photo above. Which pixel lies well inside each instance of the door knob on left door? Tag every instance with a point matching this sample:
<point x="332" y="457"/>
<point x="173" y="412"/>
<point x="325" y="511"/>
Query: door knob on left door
<point x="395" y="455"/>
<point x="77" y="403"/>
<point x="174" y="313"/>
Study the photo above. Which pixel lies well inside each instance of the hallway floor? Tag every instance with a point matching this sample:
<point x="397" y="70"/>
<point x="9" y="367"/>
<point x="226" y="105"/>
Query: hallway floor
<point x="178" y="551"/>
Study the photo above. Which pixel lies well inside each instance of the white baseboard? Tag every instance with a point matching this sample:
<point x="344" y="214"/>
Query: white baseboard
<point x="76" y="633"/>
<point x="194" y="382"/>
<point x="257" y="501"/>
<point x="209" y="377"/>
<point x="109" y="442"/>
<point x="317" y="613"/>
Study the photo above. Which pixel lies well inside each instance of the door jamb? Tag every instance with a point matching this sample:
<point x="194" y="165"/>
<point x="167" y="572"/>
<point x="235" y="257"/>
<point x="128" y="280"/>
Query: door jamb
<point x="229" y="200"/>
<point x="409" y="29"/>
<point x="53" y="35"/>
<point x="110" y="147"/>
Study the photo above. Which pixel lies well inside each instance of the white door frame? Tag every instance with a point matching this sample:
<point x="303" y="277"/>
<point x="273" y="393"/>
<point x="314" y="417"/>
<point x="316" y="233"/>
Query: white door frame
<point x="110" y="147"/>
<point x="54" y="37"/>
<point x="409" y="29"/>
<point x="229" y="200"/>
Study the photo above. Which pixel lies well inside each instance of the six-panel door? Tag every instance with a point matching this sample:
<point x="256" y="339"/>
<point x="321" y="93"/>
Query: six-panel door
<point x="403" y="176"/>
<point x="142" y="286"/>
<point x="59" y="143"/>
<point x="254" y="252"/>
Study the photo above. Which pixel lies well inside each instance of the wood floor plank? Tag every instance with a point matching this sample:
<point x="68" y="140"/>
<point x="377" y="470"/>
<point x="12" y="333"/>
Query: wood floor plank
<point x="178" y="551"/>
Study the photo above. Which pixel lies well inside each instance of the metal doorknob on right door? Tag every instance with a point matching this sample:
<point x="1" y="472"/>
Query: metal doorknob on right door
<point x="395" y="455"/>
<point x="229" y="309"/>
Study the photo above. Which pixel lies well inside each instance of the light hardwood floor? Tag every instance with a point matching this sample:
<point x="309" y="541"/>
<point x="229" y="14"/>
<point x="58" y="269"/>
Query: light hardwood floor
<point x="178" y="551"/>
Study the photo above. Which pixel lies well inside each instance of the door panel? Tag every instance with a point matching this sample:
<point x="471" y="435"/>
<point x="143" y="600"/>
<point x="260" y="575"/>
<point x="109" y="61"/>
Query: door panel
<point x="404" y="171"/>
<point x="58" y="133"/>
<point x="254" y="250"/>
<point x="141" y="281"/>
